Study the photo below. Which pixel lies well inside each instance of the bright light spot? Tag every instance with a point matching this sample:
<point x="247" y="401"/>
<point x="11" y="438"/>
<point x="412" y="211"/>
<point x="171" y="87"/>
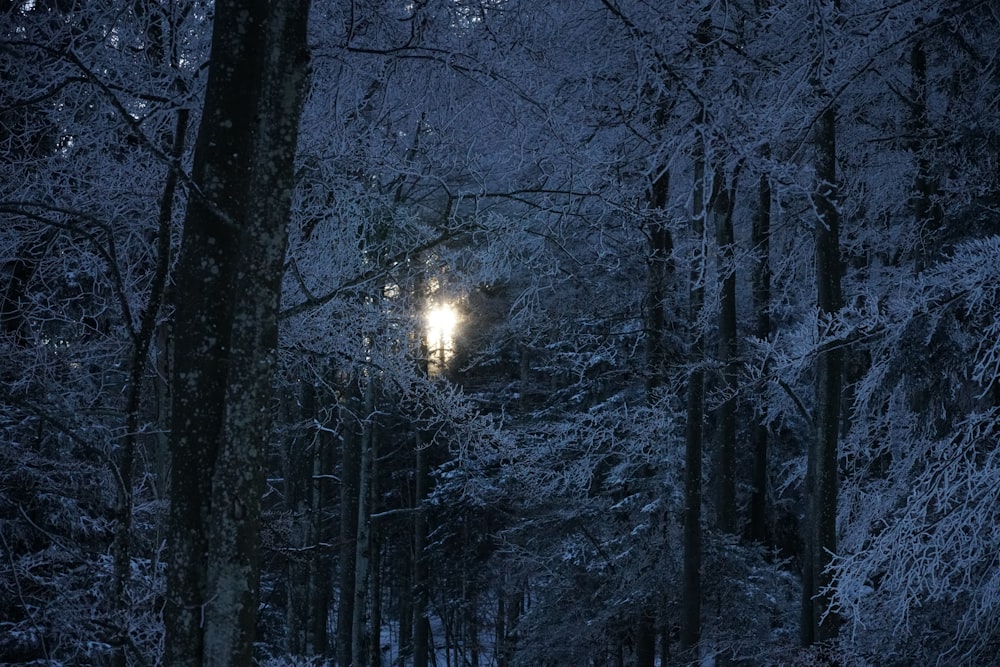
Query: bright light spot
<point x="440" y="323"/>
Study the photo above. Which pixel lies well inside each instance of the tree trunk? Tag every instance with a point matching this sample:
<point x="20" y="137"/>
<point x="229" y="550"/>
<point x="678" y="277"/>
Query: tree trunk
<point x="375" y="651"/>
<point x="821" y="470"/>
<point x="645" y="640"/>
<point x="660" y="268"/>
<point x="141" y="345"/>
<point x="228" y="285"/>
<point x="362" y="553"/>
<point x="298" y="482"/>
<point x="761" y="242"/>
<point x="421" y="624"/>
<point x="404" y="584"/>
<point x="723" y="201"/>
<point x="691" y="575"/>
<point x="321" y="574"/>
<point x="350" y="475"/>
<point x="928" y="214"/>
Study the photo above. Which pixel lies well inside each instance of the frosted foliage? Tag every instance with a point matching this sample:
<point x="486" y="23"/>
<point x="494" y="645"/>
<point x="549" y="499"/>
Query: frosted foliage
<point x="972" y="276"/>
<point x="597" y="540"/>
<point x="939" y="549"/>
<point x="921" y="504"/>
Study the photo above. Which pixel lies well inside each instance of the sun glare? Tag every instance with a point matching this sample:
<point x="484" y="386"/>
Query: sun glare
<point x="440" y="323"/>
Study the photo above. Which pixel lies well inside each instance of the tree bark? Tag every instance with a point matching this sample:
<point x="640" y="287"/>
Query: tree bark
<point x="142" y="341"/>
<point x="928" y="214"/>
<point x="375" y="644"/>
<point x="421" y="594"/>
<point x="321" y="572"/>
<point x="228" y="285"/>
<point x="300" y="502"/>
<point x="645" y="640"/>
<point x="761" y="242"/>
<point x="660" y="268"/>
<point x="362" y="553"/>
<point x="350" y="475"/>
<point x="691" y="575"/>
<point x="821" y="469"/>
<point x="723" y="201"/>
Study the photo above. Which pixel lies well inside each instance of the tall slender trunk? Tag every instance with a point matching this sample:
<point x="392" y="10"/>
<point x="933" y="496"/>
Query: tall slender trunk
<point x="350" y="475"/>
<point x="660" y="268"/>
<point x="142" y="341"/>
<point x="324" y="528"/>
<point x="761" y="242"/>
<point x="645" y="639"/>
<point x="421" y="624"/>
<point x="375" y="650"/>
<point x="404" y="585"/>
<point x="691" y="575"/>
<point x="821" y="469"/>
<point x="298" y="498"/>
<point x="723" y="201"/>
<point x="510" y="604"/>
<point x="362" y="553"/>
<point x="927" y="213"/>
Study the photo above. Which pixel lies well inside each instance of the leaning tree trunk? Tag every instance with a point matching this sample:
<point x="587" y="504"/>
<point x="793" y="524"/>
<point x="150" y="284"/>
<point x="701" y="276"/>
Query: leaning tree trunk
<point x="228" y="280"/>
<point x="142" y="343"/>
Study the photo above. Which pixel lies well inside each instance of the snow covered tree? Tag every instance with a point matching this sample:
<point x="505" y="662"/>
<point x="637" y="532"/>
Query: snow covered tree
<point x="93" y="128"/>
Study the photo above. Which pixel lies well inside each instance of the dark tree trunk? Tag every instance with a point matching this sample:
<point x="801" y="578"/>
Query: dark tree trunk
<point x="928" y="214"/>
<point x="660" y="263"/>
<point x="375" y="650"/>
<point x="298" y="465"/>
<point x="691" y="575"/>
<point x="761" y="241"/>
<point x="142" y="341"/>
<point x="404" y="584"/>
<point x="421" y="593"/>
<point x="228" y="285"/>
<point x="723" y="202"/>
<point x="362" y="552"/>
<point x="645" y="640"/>
<point x="350" y="475"/>
<point x="821" y="469"/>
<point x="321" y="574"/>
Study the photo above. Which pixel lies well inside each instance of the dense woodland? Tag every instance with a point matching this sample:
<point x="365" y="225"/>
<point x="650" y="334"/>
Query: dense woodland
<point x="723" y="386"/>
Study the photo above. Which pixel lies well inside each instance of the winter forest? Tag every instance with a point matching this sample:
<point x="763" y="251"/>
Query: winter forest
<point x="510" y="333"/>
